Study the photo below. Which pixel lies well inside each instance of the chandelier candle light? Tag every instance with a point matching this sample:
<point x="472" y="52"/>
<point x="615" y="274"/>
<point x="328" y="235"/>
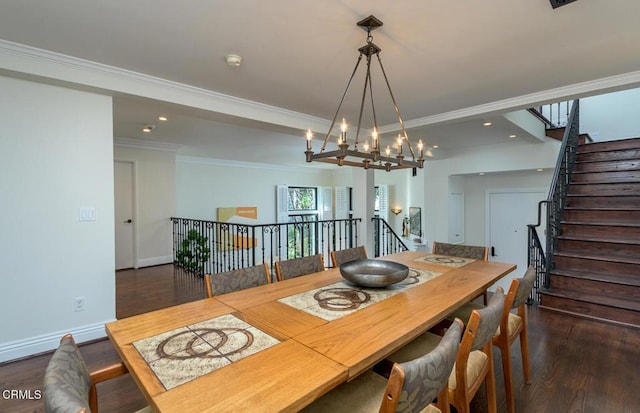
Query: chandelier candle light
<point x="370" y="156"/>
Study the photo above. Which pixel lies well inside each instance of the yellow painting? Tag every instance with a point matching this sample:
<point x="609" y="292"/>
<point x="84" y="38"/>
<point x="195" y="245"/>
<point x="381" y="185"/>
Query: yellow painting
<point x="236" y="215"/>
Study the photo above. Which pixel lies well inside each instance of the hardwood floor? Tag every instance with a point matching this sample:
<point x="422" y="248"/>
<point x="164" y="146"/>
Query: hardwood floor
<point x="577" y="365"/>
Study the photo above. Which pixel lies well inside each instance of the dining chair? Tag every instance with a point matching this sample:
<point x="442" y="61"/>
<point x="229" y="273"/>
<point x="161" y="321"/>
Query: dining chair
<point x="341" y="256"/>
<point x="299" y="266"/>
<point x="463" y="251"/>
<point x="236" y="280"/>
<point x="68" y="385"/>
<point x="411" y="386"/>
<point x="512" y="327"/>
<point x="474" y="363"/>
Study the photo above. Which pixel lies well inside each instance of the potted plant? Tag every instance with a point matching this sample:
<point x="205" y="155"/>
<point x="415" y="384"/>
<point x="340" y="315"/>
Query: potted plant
<point x="194" y="252"/>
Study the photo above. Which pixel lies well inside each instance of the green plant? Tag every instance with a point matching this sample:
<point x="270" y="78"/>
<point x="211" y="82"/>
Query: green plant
<point x="194" y="252"/>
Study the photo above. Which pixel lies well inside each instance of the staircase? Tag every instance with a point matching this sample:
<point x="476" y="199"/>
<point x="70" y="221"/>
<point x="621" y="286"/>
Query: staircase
<point x="597" y="261"/>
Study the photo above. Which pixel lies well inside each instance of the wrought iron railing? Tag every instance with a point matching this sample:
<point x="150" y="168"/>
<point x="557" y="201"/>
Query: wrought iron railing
<point x="386" y="241"/>
<point x="554" y="115"/>
<point x="211" y="246"/>
<point x="555" y="202"/>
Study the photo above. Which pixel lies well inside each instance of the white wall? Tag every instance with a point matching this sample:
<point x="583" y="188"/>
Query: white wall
<point x="475" y="189"/>
<point x="155" y="202"/>
<point x="204" y="185"/>
<point x="441" y="179"/>
<point x="611" y="116"/>
<point x="56" y="157"/>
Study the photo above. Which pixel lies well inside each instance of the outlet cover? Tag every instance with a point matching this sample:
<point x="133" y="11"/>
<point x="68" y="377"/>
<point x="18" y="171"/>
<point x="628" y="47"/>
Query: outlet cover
<point x="78" y="304"/>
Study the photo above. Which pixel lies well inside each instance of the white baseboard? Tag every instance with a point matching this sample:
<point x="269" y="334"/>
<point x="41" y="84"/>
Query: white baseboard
<point x="149" y="262"/>
<point x="46" y="342"/>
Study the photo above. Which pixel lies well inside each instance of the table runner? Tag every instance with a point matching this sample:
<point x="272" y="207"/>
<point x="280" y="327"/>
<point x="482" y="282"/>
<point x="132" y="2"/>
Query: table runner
<point x="342" y="298"/>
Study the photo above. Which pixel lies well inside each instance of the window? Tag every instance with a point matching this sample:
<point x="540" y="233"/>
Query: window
<point x="302" y="199"/>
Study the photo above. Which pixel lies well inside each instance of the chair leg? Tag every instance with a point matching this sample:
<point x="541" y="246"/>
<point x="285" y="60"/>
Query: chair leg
<point x="524" y="349"/>
<point x="491" y="383"/>
<point x="505" y="353"/>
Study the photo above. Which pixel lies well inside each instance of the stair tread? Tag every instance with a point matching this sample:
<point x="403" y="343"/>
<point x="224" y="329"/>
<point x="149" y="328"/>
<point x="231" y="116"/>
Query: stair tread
<point x="606" y="300"/>
<point x="603" y="223"/>
<point x="604" y="277"/>
<point x="612" y="240"/>
<point x="608" y="257"/>
<point x="572" y="208"/>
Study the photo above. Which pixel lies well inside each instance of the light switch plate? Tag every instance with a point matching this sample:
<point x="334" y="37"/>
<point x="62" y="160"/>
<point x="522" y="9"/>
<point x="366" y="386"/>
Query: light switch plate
<point x="87" y="214"/>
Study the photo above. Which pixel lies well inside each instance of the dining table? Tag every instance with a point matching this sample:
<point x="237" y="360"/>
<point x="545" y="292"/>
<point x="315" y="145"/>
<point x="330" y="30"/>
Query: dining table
<point x="279" y="346"/>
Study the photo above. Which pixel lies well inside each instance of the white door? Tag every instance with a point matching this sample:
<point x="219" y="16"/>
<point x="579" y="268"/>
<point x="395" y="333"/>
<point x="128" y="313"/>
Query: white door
<point x="508" y="214"/>
<point x="123" y="205"/>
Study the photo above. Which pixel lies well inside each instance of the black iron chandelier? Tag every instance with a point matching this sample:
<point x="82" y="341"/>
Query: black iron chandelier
<point x="368" y="155"/>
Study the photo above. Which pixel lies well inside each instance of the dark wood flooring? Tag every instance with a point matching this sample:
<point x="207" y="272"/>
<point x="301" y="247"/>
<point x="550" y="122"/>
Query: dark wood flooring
<point x="577" y="365"/>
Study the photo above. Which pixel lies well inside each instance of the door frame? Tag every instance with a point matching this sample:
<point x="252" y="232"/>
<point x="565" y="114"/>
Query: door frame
<point x="134" y="206"/>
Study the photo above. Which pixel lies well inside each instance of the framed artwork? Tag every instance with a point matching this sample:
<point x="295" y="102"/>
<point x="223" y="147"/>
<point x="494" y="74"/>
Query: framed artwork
<point x="415" y="221"/>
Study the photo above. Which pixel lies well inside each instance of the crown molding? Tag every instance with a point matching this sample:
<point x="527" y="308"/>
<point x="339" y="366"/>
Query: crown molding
<point x="20" y="58"/>
<point x="244" y="164"/>
<point x="525" y="101"/>
<point x="140" y="144"/>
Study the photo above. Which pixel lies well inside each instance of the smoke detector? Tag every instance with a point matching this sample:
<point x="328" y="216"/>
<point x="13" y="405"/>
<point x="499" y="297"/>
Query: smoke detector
<point x="233" y="60"/>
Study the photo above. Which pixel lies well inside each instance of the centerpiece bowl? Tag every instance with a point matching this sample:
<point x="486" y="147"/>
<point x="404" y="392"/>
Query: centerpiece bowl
<point x="373" y="273"/>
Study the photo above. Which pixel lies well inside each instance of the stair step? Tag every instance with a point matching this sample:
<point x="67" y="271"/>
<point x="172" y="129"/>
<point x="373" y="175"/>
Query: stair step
<point x="601" y="231"/>
<point x="606" y="300"/>
<point x="621" y="144"/>
<point x="599" y="243"/>
<point x="614" y="189"/>
<point x="612" y="311"/>
<point x="605" y="177"/>
<point x="595" y="263"/>
<point x="613" y="215"/>
<point x="620" y="252"/>
<point x="596" y="201"/>
<point x="633" y="260"/>
<point x="622" y="155"/>
<point x="606" y="166"/>
<point x="623" y="280"/>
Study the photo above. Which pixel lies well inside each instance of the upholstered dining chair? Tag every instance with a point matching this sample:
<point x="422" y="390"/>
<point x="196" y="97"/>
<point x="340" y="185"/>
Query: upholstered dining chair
<point x="512" y="326"/>
<point x="474" y="363"/>
<point x="411" y="386"/>
<point x="341" y="256"/>
<point x="68" y="385"/>
<point x="463" y="251"/>
<point x="236" y="280"/>
<point x="299" y="266"/>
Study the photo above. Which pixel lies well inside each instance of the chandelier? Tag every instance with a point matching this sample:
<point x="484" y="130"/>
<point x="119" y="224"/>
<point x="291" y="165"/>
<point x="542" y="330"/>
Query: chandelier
<point x="364" y="154"/>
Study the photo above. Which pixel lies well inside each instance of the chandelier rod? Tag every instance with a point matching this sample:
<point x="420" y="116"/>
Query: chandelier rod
<point x="335" y="116"/>
<point x="395" y="105"/>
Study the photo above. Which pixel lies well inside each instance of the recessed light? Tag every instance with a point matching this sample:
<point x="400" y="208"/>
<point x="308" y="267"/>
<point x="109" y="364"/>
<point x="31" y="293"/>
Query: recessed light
<point x="148" y="128"/>
<point x="162" y="118"/>
<point x="539" y="169"/>
<point x="436" y="146"/>
<point x="481" y="174"/>
<point x="487" y="124"/>
<point x="512" y="136"/>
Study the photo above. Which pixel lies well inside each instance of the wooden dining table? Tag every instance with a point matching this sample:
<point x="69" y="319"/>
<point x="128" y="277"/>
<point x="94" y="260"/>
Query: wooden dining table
<point x="290" y="355"/>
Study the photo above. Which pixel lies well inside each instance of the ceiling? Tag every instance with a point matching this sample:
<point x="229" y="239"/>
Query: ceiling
<point x="446" y="61"/>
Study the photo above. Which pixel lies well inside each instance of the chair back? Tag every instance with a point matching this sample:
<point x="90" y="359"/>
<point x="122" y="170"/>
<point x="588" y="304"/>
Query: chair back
<point x="236" y="280"/>
<point x="459" y="250"/>
<point x="525" y="285"/>
<point x="423" y="378"/>
<point x="299" y="266"/>
<point x="341" y="256"/>
<point x="490" y="317"/>
<point x="67" y="382"/>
